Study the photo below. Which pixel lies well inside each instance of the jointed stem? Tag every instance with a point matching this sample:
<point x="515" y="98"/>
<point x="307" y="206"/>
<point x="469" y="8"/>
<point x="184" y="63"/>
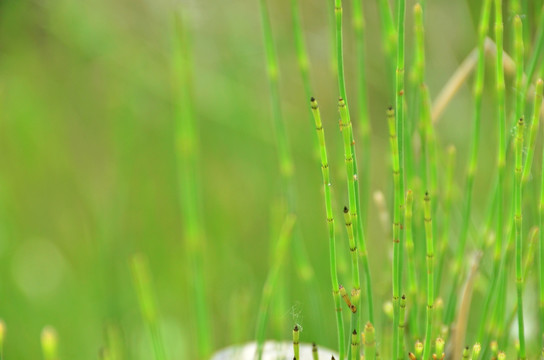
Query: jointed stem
<point x="473" y="159"/>
<point x="351" y="164"/>
<point x="330" y="221"/>
<point x="519" y="244"/>
<point x="430" y="274"/>
<point x="399" y="198"/>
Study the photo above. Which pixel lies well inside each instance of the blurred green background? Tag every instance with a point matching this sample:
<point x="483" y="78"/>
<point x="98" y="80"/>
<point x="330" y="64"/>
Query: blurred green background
<point x="88" y="165"/>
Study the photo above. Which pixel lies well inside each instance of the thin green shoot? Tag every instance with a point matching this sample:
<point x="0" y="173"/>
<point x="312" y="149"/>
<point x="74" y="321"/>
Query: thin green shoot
<point x="146" y="300"/>
<point x="296" y="343"/>
<point x="188" y="160"/>
<point x="473" y="157"/>
<point x="370" y="342"/>
<point x="325" y="172"/>
<point x="429" y="241"/>
<point x="271" y="280"/>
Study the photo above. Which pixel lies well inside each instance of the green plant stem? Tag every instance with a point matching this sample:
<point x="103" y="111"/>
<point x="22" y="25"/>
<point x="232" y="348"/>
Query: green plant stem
<point x="349" y="161"/>
<point x="370" y="342"/>
<point x="396" y="216"/>
<point x="188" y="160"/>
<point x="541" y="252"/>
<point x="412" y="273"/>
<point x="399" y="201"/>
<point x="325" y="171"/>
<point x="535" y="122"/>
<point x="146" y="299"/>
<point x="364" y="122"/>
<point x="356" y="290"/>
<point x="537" y="50"/>
<point x="430" y="273"/>
<point x="402" y="324"/>
<point x="443" y="247"/>
<point x="518" y="58"/>
<point x="501" y="155"/>
<point x="389" y="41"/>
<point x="473" y="159"/>
<point x="519" y="235"/>
<point x="354" y="202"/>
<point x="302" y="59"/>
<point x="296" y="343"/>
<point x="354" y="345"/>
<point x="286" y="169"/>
<point x="315" y="354"/>
<point x="271" y="280"/>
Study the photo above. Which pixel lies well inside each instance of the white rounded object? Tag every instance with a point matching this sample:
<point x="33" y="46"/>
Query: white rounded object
<point x="273" y="350"/>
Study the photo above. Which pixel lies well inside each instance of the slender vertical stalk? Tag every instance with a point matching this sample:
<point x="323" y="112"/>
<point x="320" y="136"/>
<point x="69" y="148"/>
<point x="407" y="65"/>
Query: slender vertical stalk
<point x="518" y="58"/>
<point x="364" y="122"/>
<point x="286" y="169"/>
<point x="541" y="252"/>
<point x="354" y="345"/>
<point x="399" y="201"/>
<point x="535" y="122"/>
<point x="300" y="47"/>
<point x="271" y="280"/>
<point x="188" y="154"/>
<point x="396" y="218"/>
<point x="302" y="58"/>
<point x="430" y="273"/>
<point x="443" y="247"/>
<point x="356" y="290"/>
<point x="473" y="158"/>
<point x="325" y="172"/>
<point x="389" y="40"/>
<point x="537" y="50"/>
<point x="439" y="347"/>
<point x="351" y="165"/>
<point x="315" y="354"/>
<point x="519" y="236"/>
<point x="349" y="161"/>
<point x="49" y="342"/>
<point x="466" y="353"/>
<point x="402" y="324"/>
<point x="370" y="342"/>
<point x="296" y="343"/>
<point x="412" y="276"/>
<point x="501" y="155"/>
<point x="146" y="299"/>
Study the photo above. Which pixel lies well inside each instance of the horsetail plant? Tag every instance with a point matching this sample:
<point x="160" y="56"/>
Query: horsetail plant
<point x="325" y="172"/>
<point x="473" y="157"/>
<point x="364" y="122"/>
<point x="351" y="161"/>
<point x="286" y="169"/>
<point x="501" y="162"/>
<point x="519" y="236"/>
<point x="396" y="218"/>
<point x="188" y="146"/>
<point x="354" y="345"/>
<point x="399" y="198"/>
<point x="402" y="325"/>
<point x="296" y="345"/>
<point x="370" y="342"/>
<point x="533" y="132"/>
<point x="280" y="252"/>
<point x="146" y="299"/>
<point x="430" y="273"/>
<point x="412" y="276"/>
